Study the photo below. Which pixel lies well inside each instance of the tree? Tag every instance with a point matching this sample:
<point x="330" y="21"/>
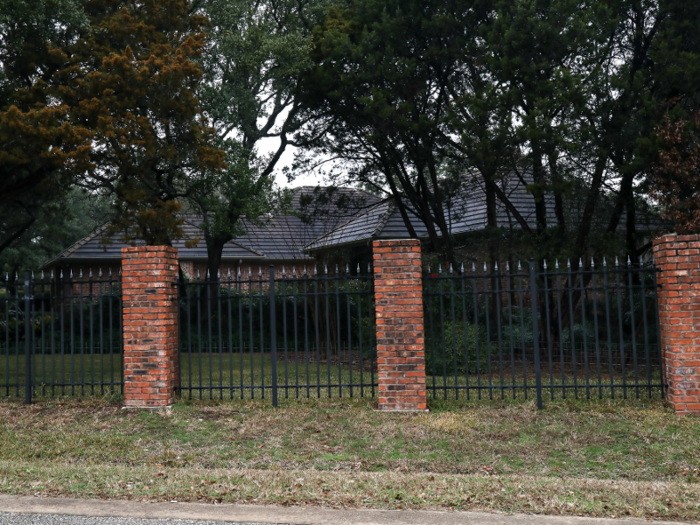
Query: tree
<point x="676" y="178"/>
<point x="139" y="97"/>
<point x="255" y="54"/>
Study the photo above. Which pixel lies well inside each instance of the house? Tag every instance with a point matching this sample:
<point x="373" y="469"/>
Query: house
<point x="338" y="223"/>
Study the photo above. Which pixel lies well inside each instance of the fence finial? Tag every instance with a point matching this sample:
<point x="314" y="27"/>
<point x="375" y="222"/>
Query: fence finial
<point x="250" y="272"/>
<point x="110" y="273"/>
<point x="197" y="273"/>
<point x="347" y="269"/>
<point x="605" y="263"/>
<point x="99" y="272"/>
<point x="507" y="266"/>
<point x="294" y="271"/>
<point x="228" y="273"/>
<point x="90" y="273"/>
<point x="239" y="272"/>
<point x="496" y="266"/>
<point x="51" y="275"/>
<point x="304" y="271"/>
<point x="592" y="263"/>
<point x="485" y="266"/>
<point x="71" y="274"/>
<point x="568" y="263"/>
<point x="629" y="262"/>
<point x="80" y="273"/>
<point x="556" y="264"/>
<point x="428" y="267"/>
<point x="7" y="278"/>
<point x="325" y="269"/>
<point x="473" y="267"/>
<point x="218" y="273"/>
<point x="439" y="268"/>
<point x="358" y="268"/>
<point x="32" y="275"/>
<point x="283" y="272"/>
<point x="545" y="264"/>
<point x="315" y="270"/>
<point x="207" y="274"/>
<point x="260" y="272"/>
<point x="617" y="262"/>
<point x="369" y="268"/>
<point x="519" y="267"/>
<point x="461" y="269"/>
<point x="120" y="270"/>
<point x="61" y="276"/>
<point x="336" y="270"/>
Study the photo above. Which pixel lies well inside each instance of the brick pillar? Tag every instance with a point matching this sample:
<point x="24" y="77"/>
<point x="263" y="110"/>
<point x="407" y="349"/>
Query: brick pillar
<point x="150" y="325"/>
<point x="678" y="258"/>
<point x="399" y="310"/>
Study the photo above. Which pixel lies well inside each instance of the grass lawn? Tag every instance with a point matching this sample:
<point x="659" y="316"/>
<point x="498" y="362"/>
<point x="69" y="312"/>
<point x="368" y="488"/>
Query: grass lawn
<point x="596" y="458"/>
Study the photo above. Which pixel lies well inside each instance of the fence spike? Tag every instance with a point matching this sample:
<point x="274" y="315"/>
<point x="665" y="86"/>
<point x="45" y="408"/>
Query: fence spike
<point x="51" y="275"/>
<point x="519" y="267"/>
<point x="250" y="272"/>
<point x="294" y="271"/>
<point x="239" y="272"/>
<point x="99" y="272"/>
<point x="473" y="267"/>
<point x="545" y="264"/>
<point x="207" y="274"/>
<point x="16" y="278"/>
<point x="71" y="274"/>
<point x="304" y="271"/>
<point x="592" y="263"/>
<point x="556" y="264"/>
<point x="605" y="263"/>
<point x="218" y="274"/>
<point x="369" y="268"/>
<point x="283" y="272"/>
<point x="461" y="269"/>
<point x="120" y="270"/>
<point x="428" y="267"/>
<point x="568" y="263"/>
<point x="325" y="269"/>
<point x="260" y="272"/>
<point x="7" y="278"/>
<point x="347" y="269"/>
<point x="80" y="273"/>
<point x="228" y="273"/>
<point x="485" y="266"/>
<point x="336" y="269"/>
<point x="629" y="262"/>
<point x="439" y="268"/>
<point x="358" y="268"/>
<point x="315" y="270"/>
<point x="617" y="262"/>
<point x="496" y="266"/>
<point x="508" y="266"/>
<point x="32" y="275"/>
<point x="197" y="273"/>
<point x="580" y="263"/>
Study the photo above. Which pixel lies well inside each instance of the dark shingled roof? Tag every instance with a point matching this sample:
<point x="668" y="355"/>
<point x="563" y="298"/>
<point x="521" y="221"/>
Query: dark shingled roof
<point x="315" y="211"/>
<point x="465" y="213"/>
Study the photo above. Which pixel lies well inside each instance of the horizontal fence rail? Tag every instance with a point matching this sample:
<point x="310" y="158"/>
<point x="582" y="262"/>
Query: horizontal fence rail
<point x="290" y="334"/>
<point x="61" y="335"/>
<point x="542" y="332"/>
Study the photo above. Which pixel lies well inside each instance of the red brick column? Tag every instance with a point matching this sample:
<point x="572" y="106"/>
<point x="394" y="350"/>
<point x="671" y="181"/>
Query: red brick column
<point x="678" y="257"/>
<point x="150" y="325"/>
<point x="399" y="310"/>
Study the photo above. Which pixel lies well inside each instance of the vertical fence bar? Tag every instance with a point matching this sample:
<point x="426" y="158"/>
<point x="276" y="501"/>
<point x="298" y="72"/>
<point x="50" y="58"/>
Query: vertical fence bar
<point x="27" y="338"/>
<point x="535" y="332"/>
<point x="273" y="335"/>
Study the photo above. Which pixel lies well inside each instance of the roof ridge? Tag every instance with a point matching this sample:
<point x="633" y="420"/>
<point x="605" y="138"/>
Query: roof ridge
<point x="356" y="217"/>
<point x="381" y="224"/>
<point x="77" y="244"/>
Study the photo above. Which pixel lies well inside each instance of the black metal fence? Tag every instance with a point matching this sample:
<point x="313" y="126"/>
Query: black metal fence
<point x="543" y="332"/>
<point x="291" y="334"/>
<point x="60" y="335"/>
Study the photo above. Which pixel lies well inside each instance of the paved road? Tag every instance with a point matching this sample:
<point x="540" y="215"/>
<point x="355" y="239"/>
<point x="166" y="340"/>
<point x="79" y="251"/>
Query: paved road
<point x="53" y="511"/>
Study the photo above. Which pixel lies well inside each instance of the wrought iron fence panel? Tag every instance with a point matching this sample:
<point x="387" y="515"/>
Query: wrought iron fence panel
<point x="290" y="334"/>
<point x="545" y="332"/>
<point x="61" y="335"/>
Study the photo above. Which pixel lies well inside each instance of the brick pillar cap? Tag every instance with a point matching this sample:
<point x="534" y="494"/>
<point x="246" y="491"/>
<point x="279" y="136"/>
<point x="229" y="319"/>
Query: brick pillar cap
<point x="396" y="242"/>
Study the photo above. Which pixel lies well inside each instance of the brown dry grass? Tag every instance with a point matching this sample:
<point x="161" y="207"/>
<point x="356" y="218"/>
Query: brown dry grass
<point x="597" y="458"/>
